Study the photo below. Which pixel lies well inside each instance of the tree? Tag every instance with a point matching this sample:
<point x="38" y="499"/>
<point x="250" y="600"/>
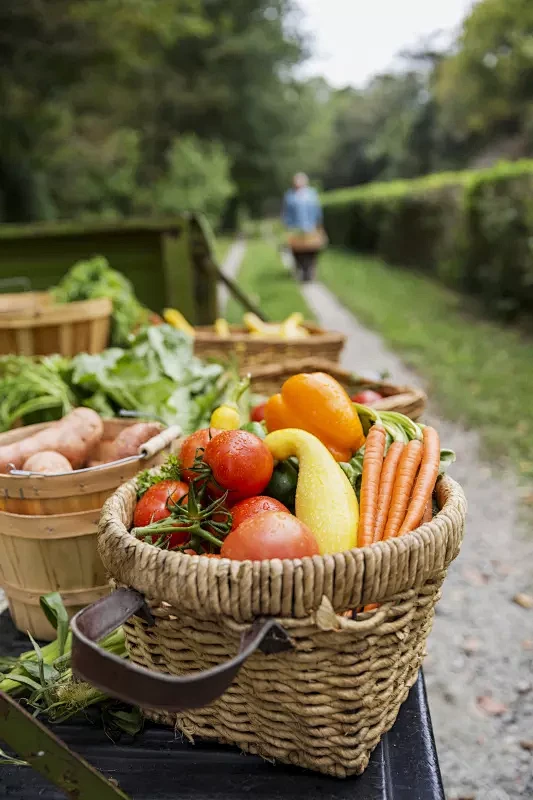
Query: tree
<point x="485" y="88"/>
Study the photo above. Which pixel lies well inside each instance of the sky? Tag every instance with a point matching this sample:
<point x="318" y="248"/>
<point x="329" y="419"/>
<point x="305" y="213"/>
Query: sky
<point x="355" y="39"/>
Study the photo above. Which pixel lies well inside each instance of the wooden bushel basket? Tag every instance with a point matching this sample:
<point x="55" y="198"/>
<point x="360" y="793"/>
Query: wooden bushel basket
<point x="32" y="325"/>
<point x="48" y="530"/>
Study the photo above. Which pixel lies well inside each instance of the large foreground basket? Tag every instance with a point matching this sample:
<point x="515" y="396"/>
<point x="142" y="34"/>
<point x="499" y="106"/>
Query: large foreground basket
<point x="252" y="351"/>
<point x="32" y="325"/>
<point x="315" y="689"/>
<point x="407" y="400"/>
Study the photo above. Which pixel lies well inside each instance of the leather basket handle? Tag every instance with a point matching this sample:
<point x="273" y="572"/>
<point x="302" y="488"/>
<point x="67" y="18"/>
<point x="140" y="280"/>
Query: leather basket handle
<point x="126" y="681"/>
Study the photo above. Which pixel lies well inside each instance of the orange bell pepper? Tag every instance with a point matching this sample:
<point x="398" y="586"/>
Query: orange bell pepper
<point x="318" y="404"/>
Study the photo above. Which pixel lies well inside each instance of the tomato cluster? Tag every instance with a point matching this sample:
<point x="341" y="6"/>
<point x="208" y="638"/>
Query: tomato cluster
<point x="226" y="474"/>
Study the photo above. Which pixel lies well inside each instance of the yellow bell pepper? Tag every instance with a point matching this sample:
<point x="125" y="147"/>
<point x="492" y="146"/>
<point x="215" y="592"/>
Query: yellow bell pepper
<point x="226" y="418"/>
<point x="325" y="499"/>
<point x="177" y="320"/>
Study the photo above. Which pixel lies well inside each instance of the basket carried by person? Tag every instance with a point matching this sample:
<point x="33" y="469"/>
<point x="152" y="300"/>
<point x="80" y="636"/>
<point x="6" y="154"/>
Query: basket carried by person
<point x="407" y="400"/>
<point x="301" y="638"/>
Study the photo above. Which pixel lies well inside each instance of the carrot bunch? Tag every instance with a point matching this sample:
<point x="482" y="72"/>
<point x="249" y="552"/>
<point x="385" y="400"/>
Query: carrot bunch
<point x="396" y="488"/>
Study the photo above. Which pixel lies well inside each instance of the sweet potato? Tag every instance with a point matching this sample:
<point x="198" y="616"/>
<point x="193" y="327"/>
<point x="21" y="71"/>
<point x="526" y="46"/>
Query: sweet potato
<point x="74" y="437"/>
<point x="130" y="439"/>
<point x="105" y="452"/>
<point x="48" y="462"/>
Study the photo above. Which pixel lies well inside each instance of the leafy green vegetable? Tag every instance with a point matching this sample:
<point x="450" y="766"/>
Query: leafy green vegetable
<point x="33" y="390"/>
<point x="157" y="376"/>
<point x="89" y="280"/>
<point x="169" y="471"/>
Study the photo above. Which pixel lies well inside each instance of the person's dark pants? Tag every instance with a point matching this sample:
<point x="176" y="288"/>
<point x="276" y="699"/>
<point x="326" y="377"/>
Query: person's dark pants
<point x="305" y="264"/>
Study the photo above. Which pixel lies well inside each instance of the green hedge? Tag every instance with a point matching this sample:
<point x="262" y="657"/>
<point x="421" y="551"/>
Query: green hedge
<point x="472" y="230"/>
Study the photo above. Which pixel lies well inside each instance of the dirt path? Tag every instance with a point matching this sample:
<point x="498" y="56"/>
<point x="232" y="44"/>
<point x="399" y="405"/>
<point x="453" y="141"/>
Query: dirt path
<point x="479" y="669"/>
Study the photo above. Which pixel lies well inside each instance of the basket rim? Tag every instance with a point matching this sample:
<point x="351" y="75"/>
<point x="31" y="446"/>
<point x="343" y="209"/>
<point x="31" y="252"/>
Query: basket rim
<point x="291" y="588"/>
<point x="205" y="334"/>
<point x="46" y="313"/>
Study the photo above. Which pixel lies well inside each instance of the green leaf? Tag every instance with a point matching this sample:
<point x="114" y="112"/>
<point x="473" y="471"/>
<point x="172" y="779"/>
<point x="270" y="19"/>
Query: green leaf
<point x="24" y="680"/>
<point x="130" y="722"/>
<point x="56" y="614"/>
<point x="11" y="761"/>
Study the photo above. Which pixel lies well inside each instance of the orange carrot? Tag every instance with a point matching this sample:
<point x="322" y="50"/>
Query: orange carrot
<point x="372" y="466"/>
<point x="428" y="512"/>
<point x="403" y="484"/>
<point x="388" y="474"/>
<point x="425" y="482"/>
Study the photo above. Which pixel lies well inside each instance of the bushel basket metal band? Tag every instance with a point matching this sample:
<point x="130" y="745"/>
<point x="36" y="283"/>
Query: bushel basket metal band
<point x="323" y="703"/>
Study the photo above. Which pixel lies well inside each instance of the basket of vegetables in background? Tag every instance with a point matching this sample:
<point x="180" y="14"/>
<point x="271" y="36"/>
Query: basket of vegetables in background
<point x="278" y="596"/>
<point x="92" y="306"/>
<point x="257" y="342"/>
<point x="380" y="394"/>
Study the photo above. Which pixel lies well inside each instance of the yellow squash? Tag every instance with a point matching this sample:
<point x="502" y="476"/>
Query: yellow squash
<point x="177" y="320"/>
<point x="222" y="328"/>
<point x="325" y="499"/>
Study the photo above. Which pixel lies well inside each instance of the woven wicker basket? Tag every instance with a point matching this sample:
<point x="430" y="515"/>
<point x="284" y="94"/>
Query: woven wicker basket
<point x="31" y="325"/>
<point x="254" y="351"/>
<point x="308" y="687"/>
<point x="407" y="400"/>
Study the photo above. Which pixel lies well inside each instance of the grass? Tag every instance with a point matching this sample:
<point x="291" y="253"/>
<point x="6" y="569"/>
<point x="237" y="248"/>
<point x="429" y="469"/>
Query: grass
<point x="222" y="246"/>
<point x="269" y="284"/>
<point x="479" y="372"/>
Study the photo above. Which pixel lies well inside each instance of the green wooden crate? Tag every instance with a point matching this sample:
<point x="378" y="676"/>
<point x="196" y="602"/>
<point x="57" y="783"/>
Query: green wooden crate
<point x="169" y="261"/>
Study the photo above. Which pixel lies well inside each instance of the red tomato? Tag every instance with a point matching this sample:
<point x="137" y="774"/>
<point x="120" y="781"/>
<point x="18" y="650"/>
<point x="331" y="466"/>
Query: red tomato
<point x="240" y="462"/>
<point x="156" y="503"/>
<point x="258" y="413"/>
<point x="273" y="534"/>
<point x="367" y="397"/>
<point x="189" y="448"/>
<point x="253" y="506"/>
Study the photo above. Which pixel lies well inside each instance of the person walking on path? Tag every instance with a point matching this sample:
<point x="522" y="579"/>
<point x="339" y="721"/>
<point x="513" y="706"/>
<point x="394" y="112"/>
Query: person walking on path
<point x="302" y="216"/>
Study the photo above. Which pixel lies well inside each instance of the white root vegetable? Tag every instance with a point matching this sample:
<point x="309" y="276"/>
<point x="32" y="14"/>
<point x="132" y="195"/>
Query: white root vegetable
<point x="48" y="463"/>
<point x="74" y="437"/>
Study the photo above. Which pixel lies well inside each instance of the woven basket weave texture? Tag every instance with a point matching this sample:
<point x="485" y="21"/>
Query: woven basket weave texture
<point x="253" y="351"/>
<point x="325" y="704"/>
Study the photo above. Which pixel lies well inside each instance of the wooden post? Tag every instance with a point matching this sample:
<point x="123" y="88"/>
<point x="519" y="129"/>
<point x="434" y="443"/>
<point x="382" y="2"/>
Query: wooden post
<point x="178" y="271"/>
<point x="205" y="277"/>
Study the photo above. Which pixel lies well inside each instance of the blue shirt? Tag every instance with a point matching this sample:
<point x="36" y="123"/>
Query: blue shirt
<point x="301" y="209"/>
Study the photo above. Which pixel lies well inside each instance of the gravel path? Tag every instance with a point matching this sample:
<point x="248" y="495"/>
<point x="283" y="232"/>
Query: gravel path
<point x="479" y="669"/>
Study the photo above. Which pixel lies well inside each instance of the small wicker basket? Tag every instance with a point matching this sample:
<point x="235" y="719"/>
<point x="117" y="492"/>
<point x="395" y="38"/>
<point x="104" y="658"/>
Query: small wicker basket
<point x="407" y="400"/>
<point x="253" y="351"/>
<point x="259" y="655"/>
<point x="32" y="325"/>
